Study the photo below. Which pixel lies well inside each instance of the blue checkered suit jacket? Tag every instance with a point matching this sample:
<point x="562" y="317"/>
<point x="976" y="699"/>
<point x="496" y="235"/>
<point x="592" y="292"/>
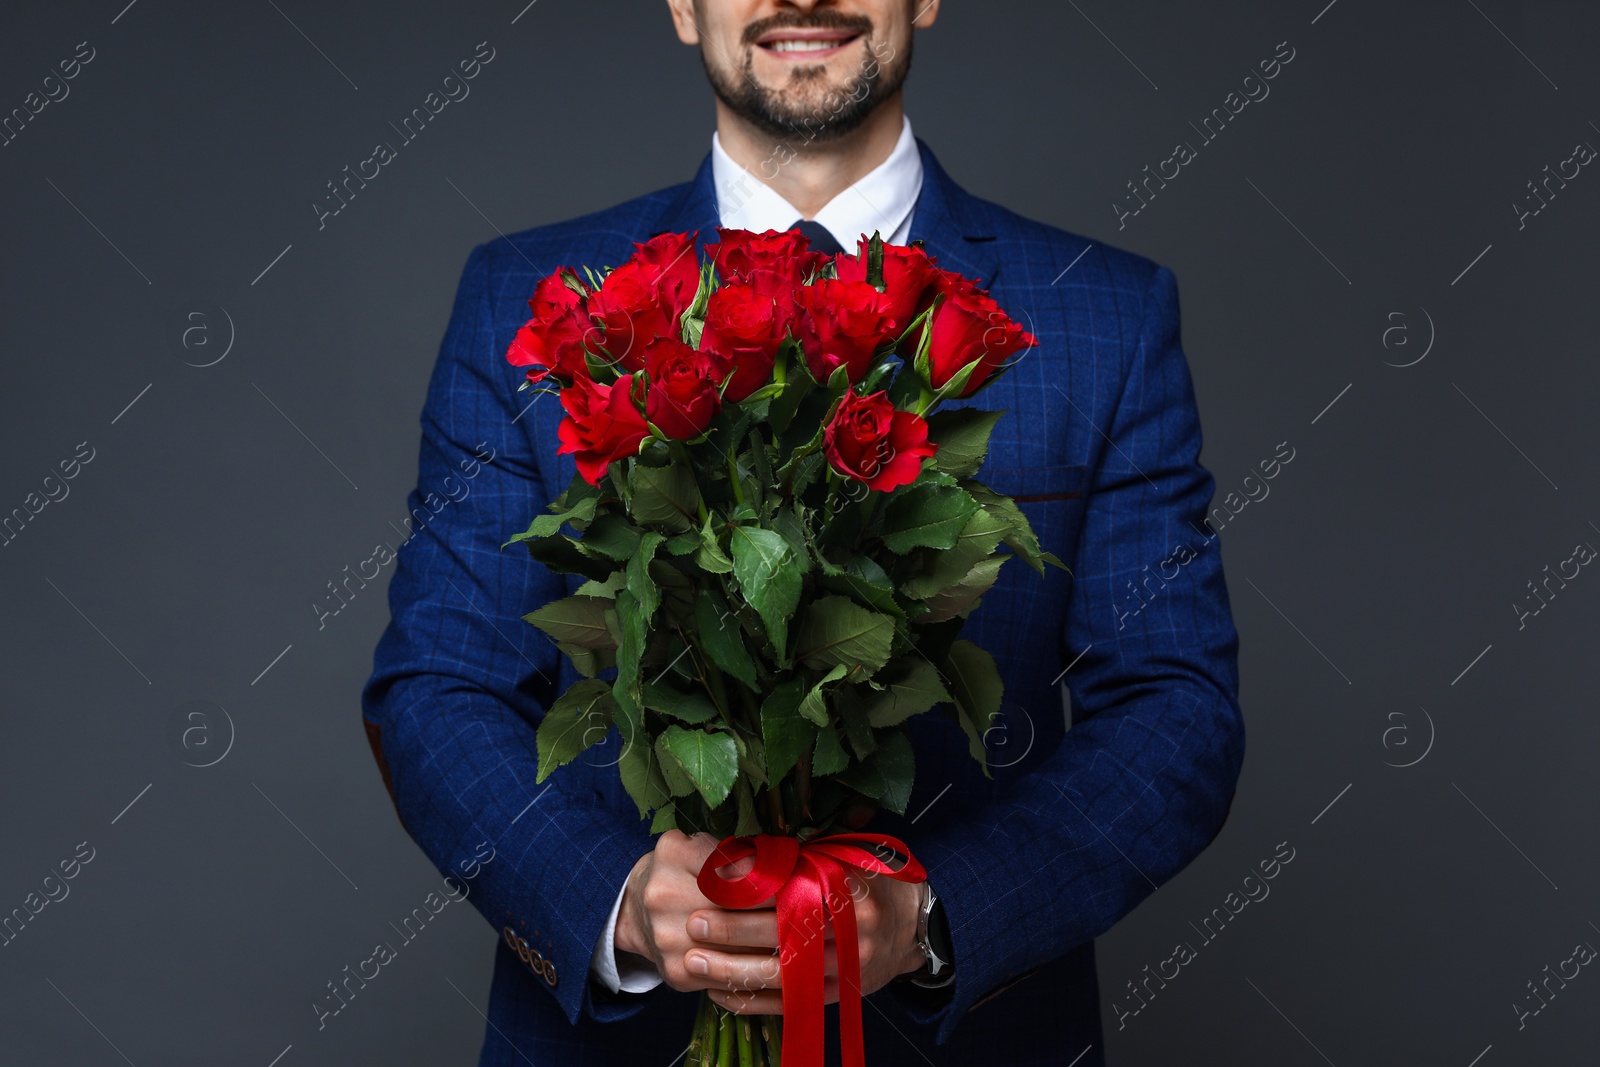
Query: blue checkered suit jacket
<point x="1101" y="445"/>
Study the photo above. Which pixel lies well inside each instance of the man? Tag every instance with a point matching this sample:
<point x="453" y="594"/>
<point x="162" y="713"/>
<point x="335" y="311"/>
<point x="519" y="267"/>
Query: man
<point x="605" y="936"/>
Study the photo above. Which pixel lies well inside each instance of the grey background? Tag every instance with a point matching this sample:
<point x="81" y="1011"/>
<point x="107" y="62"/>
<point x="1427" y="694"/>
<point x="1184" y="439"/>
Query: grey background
<point x="1373" y="589"/>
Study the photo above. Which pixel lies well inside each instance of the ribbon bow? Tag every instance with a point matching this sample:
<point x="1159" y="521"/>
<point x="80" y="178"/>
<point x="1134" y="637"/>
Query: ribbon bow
<point x="809" y="881"/>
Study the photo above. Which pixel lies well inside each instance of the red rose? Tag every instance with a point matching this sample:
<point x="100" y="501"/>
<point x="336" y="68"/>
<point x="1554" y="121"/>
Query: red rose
<point x="968" y="327"/>
<point x="741" y="252"/>
<point x="842" y="322"/>
<point x="907" y="277"/>
<point x="602" y="424"/>
<point x="644" y="298"/>
<point x="744" y="329"/>
<point x="872" y="442"/>
<point x="671" y="268"/>
<point x="551" y="342"/>
<point x="682" y="398"/>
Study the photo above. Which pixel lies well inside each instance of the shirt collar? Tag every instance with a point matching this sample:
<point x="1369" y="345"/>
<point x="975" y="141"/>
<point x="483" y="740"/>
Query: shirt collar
<point x="881" y="200"/>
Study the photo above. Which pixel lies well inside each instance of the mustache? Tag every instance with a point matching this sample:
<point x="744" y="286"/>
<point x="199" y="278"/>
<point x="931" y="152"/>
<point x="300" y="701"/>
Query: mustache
<point x="816" y="20"/>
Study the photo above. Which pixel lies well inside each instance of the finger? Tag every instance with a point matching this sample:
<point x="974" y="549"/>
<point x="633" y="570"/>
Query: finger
<point x="700" y="847"/>
<point x="748" y="971"/>
<point x="742" y="971"/>
<point x="755" y="928"/>
<point x="764" y="1001"/>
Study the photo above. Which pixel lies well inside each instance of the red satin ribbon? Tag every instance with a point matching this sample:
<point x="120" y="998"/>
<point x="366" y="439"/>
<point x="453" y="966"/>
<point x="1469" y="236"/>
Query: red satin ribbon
<point x="806" y="878"/>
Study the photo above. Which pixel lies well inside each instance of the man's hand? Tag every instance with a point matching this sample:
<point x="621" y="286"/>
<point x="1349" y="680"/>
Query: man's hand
<point x="697" y="945"/>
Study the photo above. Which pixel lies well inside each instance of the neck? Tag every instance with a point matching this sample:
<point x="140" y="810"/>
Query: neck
<point x="814" y="173"/>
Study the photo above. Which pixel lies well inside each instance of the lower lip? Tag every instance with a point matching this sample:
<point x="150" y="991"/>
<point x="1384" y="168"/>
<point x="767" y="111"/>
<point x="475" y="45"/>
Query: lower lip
<point x="810" y="55"/>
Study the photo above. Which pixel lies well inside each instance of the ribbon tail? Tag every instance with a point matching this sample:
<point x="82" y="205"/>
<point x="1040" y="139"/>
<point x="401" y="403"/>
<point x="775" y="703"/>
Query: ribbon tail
<point x="847" y="950"/>
<point x="801" y="961"/>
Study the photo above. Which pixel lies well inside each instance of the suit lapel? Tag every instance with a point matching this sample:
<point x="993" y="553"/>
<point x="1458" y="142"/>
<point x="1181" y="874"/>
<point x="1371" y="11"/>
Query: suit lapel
<point x="694" y="210"/>
<point x="944" y="220"/>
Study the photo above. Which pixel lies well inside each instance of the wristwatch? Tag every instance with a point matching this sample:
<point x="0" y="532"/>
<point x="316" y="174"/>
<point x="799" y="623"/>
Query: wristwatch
<point x="933" y="938"/>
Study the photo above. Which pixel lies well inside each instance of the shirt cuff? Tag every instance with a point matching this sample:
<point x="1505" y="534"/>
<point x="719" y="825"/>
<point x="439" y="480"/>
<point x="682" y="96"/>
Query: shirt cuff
<point x="635" y="976"/>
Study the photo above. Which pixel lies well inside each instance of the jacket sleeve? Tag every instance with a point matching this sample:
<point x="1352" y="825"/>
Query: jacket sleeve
<point x="1144" y="778"/>
<point x="460" y="682"/>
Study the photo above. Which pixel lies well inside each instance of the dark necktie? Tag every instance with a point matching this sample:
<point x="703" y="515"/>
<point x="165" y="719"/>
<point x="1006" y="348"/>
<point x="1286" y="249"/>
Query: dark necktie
<point x="818" y="236"/>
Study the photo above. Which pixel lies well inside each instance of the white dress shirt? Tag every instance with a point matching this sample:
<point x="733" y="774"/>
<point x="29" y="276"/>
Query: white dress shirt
<point x="881" y="201"/>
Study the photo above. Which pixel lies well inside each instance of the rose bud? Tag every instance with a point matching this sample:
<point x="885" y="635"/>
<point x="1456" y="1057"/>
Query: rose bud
<point x="631" y="313"/>
<point x="969" y="327"/>
<point x="743" y="330"/>
<point x="671" y="269"/>
<point x="907" y="277"/>
<point x="842" y="322"/>
<point x="602" y="424"/>
<point x="871" y="441"/>
<point x="740" y="253"/>
<point x="551" y="342"/>
<point x="682" y="398"/>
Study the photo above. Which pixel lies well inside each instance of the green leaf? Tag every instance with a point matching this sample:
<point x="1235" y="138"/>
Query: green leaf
<point x="682" y="544"/>
<point x="863" y="778"/>
<point x="640" y="584"/>
<point x="606" y="589"/>
<point x="930" y="516"/>
<point x="752" y="759"/>
<point x="550" y="525"/>
<point x="709" y="554"/>
<point x="611" y="536"/>
<point x="577" y="489"/>
<point x="815" y="704"/>
<point x="664" y="496"/>
<point x="807" y="470"/>
<point x="679" y="784"/>
<point x="875" y="261"/>
<point x="749" y="823"/>
<point x="666" y="819"/>
<point x="943" y="569"/>
<point x="830" y="756"/>
<point x="962" y="435"/>
<point x="865" y="582"/>
<point x="896" y="762"/>
<point x="976" y="688"/>
<point x="710" y="759"/>
<point x="769" y="574"/>
<point x="718" y="629"/>
<point x="1021" y="537"/>
<point x="632" y="634"/>
<point x="580" y="718"/>
<point x="785" y="732"/>
<point x="911" y="686"/>
<point x="588" y="661"/>
<point x="642" y="778"/>
<point x="837" y="630"/>
<point x="856" y="725"/>
<point x="963" y="596"/>
<point x="577" y="620"/>
<point x="691" y="708"/>
<point x="562" y="555"/>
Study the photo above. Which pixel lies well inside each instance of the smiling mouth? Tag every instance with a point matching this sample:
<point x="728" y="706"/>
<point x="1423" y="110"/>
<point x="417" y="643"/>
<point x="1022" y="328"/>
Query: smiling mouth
<point x="804" y="45"/>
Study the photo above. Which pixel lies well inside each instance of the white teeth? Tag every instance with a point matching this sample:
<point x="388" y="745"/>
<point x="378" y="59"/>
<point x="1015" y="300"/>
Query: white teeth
<point x="805" y="45"/>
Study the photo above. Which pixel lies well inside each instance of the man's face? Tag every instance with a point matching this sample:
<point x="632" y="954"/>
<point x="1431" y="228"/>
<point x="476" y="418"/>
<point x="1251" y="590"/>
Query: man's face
<point x="808" y="70"/>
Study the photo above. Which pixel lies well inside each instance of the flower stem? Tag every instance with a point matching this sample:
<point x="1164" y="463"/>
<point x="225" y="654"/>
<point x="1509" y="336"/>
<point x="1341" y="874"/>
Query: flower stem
<point x="772" y="1030"/>
<point x="867" y="506"/>
<point x="725" y="1038"/>
<point x="746" y="1053"/>
<point x="733" y="476"/>
<point x="697" y="1043"/>
<point x="708" y="1043"/>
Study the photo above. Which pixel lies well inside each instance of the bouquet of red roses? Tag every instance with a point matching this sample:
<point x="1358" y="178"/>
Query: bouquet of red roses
<point x="782" y="536"/>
